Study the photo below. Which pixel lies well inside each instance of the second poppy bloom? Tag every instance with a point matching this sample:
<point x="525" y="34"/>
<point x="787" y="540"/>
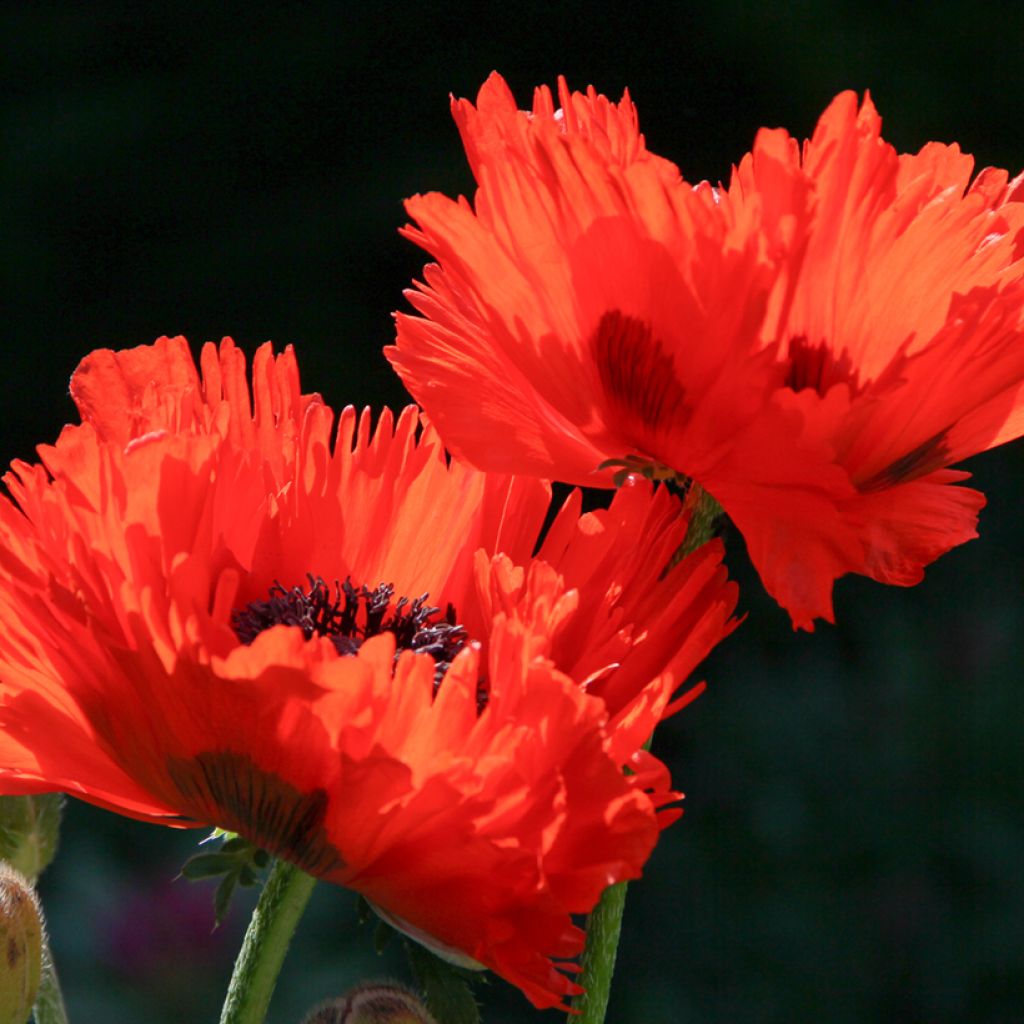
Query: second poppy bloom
<point x="814" y="344"/>
<point x="221" y="608"/>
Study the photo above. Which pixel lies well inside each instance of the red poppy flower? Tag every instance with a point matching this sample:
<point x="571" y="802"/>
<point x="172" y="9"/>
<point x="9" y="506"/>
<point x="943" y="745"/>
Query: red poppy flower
<point x="814" y="345"/>
<point x="202" y="600"/>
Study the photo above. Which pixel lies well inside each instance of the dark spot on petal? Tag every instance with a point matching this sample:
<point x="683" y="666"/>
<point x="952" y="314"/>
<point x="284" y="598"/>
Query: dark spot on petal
<point x="637" y="374"/>
<point x="927" y="457"/>
<point x="815" y="366"/>
<point x="228" y="790"/>
<point x="14" y="952"/>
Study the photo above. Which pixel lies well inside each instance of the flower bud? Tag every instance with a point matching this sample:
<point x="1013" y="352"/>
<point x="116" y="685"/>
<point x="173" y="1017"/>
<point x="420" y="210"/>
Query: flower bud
<point x="372" y="1003"/>
<point x="29" y="828"/>
<point x="21" y="947"/>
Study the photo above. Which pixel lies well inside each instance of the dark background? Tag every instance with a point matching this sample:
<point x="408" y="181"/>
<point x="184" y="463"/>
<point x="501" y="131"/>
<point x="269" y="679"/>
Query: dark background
<point x="853" y="844"/>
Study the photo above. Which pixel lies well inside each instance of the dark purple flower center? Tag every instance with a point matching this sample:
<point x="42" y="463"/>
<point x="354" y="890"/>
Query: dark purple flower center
<point x="350" y="615"/>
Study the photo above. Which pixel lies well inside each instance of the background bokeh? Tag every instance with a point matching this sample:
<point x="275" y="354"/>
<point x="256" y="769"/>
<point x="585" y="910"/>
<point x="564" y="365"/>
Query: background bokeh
<point x="854" y="836"/>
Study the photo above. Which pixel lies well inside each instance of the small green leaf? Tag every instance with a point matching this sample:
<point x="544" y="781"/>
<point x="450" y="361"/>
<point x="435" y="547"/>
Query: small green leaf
<point x="222" y="899"/>
<point x="208" y="865"/>
<point x="236" y="862"/>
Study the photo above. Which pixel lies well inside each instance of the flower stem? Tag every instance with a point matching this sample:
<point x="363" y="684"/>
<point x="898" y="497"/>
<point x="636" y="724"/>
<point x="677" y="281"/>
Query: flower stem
<point x="598" y="961"/>
<point x="284" y="897"/>
<point x="49" y="1008"/>
<point x="605" y="921"/>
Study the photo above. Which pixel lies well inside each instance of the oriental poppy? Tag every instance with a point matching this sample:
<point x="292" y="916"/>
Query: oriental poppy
<point x="814" y="345"/>
<point x="219" y="609"/>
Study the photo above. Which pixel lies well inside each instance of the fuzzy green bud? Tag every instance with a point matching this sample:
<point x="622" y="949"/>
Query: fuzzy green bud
<point x="29" y="829"/>
<point x="372" y="1003"/>
<point x="21" y="946"/>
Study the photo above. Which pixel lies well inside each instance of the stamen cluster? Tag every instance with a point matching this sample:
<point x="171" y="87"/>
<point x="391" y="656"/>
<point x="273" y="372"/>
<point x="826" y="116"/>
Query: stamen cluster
<point x="349" y="615"/>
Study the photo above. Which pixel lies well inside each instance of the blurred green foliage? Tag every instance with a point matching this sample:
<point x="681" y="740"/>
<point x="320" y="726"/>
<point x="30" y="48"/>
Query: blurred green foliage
<point x="855" y="826"/>
<point x="30" y="831"/>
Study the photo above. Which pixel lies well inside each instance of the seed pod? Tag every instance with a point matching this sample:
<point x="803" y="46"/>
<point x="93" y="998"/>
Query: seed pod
<point x="21" y="941"/>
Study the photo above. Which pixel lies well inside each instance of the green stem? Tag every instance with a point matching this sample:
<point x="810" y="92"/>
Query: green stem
<point x="49" y="1008"/>
<point x="605" y="921"/>
<point x="598" y="961"/>
<point x="284" y="897"/>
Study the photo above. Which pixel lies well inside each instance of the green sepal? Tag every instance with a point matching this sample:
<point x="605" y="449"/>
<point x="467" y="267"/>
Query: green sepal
<point x="222" y="898"/>
<point x="236" y="862"/>
<point x="446" y="988"/>
<point x="210" y="865"/>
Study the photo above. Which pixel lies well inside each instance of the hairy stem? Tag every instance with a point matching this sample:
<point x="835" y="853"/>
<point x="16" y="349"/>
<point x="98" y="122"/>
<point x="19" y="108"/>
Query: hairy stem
<point x="284" y="898"/>
<point x="598" y="962"/>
